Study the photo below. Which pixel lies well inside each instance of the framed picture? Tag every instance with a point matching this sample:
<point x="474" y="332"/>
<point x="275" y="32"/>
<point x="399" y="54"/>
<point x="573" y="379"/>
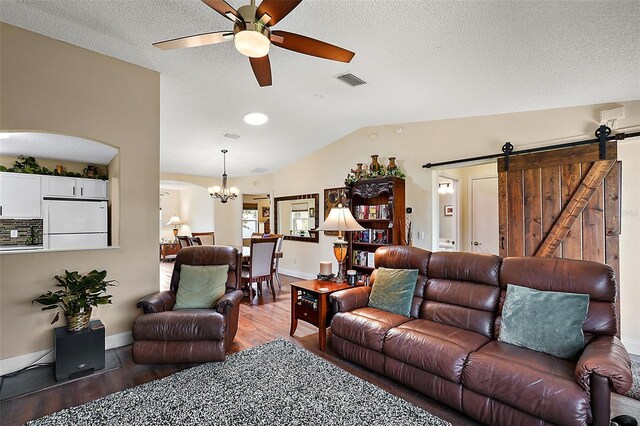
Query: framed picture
<point x="312" y="212"/>
<point x="332" y="197"/>
<point x="266" y="211"/>
<point x="448" y="210"/>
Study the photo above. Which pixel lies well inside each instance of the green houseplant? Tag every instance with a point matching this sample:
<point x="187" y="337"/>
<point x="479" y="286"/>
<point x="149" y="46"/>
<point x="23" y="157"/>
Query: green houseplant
<point x="78" y="295"/>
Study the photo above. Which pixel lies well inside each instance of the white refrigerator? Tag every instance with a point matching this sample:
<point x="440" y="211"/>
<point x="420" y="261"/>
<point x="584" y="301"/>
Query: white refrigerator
<point x="70" y="224"/>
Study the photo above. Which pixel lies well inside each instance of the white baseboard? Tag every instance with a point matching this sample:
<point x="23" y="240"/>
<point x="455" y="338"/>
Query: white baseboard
<point x="9" y="365"/>
<point x="297" y="274"/>
<point x="633" y="346"/>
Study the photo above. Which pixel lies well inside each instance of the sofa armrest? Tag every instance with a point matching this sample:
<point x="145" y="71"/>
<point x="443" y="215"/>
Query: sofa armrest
<point x="228" y="301"/>
<point x="350" y="299"/>
<point x="607" y="357"/>
<point x="157" y="302"/>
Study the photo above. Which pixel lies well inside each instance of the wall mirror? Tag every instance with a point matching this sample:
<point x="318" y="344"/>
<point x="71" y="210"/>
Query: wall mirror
<point x="296" y="216"/>
<point x="57" y="192"/>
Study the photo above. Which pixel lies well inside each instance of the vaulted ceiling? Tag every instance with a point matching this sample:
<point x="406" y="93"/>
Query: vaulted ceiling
<point x="422" y="60"/>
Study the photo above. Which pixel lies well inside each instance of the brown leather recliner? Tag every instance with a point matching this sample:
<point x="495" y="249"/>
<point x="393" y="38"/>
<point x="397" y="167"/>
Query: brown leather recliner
<point x="163" y="335"/>
<point x="448" y="348"/>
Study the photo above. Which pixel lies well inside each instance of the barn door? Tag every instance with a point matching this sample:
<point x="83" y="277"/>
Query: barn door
<point x="563" y="203"/>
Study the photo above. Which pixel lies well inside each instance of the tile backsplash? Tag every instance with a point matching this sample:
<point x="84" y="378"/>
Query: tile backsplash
<point x="29" y="232"/>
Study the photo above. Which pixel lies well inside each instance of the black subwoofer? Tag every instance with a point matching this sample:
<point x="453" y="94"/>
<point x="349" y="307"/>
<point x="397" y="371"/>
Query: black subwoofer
<point x="79" y="353"/>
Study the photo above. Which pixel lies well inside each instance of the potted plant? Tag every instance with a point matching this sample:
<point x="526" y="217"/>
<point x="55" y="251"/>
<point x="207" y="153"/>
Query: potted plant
<point x="78" y="295"/>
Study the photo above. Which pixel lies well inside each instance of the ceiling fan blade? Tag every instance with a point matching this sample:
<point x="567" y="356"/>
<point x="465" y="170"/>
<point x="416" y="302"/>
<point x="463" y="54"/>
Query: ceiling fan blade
<point x="262" y="70"/>
<point x="310" y="46"/>
<point x="223" y="8"/>
<point x="195" y="40"/>
<point x="276" y="9"/>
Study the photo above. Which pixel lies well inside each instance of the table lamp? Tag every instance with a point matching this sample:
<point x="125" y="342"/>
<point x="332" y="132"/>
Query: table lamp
<point x="340" y="219"/>
<point x="175" y="221"/>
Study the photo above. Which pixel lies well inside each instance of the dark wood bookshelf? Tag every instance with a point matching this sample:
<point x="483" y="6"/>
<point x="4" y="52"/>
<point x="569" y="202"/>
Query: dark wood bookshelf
<point x="384" y="191"/>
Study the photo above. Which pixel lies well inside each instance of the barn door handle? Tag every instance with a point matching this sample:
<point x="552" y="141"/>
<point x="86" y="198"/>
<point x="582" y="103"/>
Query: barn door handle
<point x="502" y="243"/>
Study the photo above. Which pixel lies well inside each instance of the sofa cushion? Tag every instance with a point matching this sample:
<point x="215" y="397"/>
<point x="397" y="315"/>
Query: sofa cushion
<point x="365" y="326"/>
<point x="545" y="321"/>
<point x="437" y="348"/>
<point x="393" y="290"/>
<point x="185" y="324"/>
<point x="533" y="382"/>
<point x="200" y="286"/>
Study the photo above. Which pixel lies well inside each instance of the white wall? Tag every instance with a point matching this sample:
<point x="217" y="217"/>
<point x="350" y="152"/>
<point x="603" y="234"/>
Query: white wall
<point x="197" y="209"/>
<point x="170" y="205"/>
<point x="629" y="154"/>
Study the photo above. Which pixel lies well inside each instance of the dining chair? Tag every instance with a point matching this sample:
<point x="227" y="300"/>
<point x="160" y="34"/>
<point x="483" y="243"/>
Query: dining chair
<point x="184" y="241"/>
<point x="206" y="238"/>
<point x="276" y="260"/>
<point x="261" y="265"/>
<point x="195" y="241"/>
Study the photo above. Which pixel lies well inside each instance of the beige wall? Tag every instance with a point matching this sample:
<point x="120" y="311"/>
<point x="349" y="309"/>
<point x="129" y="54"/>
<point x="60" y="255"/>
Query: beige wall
<point x="47" y="85"/>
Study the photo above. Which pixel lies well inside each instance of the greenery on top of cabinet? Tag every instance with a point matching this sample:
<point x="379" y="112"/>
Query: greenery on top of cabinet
<point x="29" y="165"/>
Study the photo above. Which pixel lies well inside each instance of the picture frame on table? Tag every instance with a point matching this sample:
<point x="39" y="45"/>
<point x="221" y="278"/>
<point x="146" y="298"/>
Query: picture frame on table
<point x="448" y="210"/>
<point x="266" y="211"/>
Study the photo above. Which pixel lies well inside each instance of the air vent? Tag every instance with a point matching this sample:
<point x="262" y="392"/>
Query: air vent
<point x="351" y="79"/>
<point x="259" y="170"/>
<point x="231" y="136"/>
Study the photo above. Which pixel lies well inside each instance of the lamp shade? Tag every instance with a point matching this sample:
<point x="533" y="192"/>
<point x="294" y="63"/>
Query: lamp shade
<point x="175" y="220"/>
<point x="340" y="219"/>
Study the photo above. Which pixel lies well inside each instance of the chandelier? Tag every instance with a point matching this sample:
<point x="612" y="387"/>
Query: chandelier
<point x="224" y="194"/>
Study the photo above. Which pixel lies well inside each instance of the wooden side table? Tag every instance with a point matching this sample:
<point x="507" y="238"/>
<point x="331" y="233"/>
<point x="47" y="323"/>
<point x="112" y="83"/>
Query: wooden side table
<point x="167" y="249"/>
<point x="312" y="305"/>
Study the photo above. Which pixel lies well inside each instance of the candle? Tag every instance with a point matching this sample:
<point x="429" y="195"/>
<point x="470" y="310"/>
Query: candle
<point x="325" y="268"/>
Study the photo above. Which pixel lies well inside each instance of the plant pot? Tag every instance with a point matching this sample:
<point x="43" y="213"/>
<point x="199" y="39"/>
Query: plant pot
<point x="78" y="322"/>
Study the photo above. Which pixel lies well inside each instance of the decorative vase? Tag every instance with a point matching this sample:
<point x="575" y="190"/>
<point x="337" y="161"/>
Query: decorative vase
<point x="392" y="164"/>
<point x="91" y="171"/>
<point x="359" y="171"/>
<point x="374" y="166"/>
<point x="78" y="322"/>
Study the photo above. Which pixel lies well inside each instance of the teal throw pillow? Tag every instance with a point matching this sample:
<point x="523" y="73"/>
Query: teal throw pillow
<point x="393" y="290"/>
<point x="544" y="321"/>
<point x="200" y="286"/>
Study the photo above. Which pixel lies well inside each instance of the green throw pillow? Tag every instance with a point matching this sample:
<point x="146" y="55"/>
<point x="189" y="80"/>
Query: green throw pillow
<point x="200" y="286"/>
<point x="545" y="321"/>
<point x="393" y="290"/>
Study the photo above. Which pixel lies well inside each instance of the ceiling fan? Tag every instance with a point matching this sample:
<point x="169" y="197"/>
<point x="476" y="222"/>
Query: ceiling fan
<point x="252" y="35"/>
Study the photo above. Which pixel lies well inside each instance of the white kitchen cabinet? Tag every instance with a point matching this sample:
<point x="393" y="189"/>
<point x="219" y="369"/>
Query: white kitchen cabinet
<point x="19" y="196"/>
<point x="92" y="188"/>
<point x="69" y="187"/>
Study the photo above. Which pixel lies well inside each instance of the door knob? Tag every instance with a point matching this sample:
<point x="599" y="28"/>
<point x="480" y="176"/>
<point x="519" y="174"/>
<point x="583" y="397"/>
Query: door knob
<point x="475" y="243"/>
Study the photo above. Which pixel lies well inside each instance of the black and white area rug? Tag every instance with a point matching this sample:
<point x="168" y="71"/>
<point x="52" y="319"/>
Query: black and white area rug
<point x="277" y="383"/>
<point x="634" y="392"/>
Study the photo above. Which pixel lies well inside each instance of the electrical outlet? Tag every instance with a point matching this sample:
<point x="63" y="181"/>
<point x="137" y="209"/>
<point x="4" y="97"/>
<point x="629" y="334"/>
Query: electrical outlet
<point x="421" y="235"/>
<point x="14" y="233"/>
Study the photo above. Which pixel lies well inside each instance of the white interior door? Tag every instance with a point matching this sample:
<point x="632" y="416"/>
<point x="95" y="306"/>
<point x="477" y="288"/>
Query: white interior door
<point x="484" y="215"/>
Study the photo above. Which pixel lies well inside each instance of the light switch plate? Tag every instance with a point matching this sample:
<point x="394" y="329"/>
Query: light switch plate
<point x="14" y="233"/>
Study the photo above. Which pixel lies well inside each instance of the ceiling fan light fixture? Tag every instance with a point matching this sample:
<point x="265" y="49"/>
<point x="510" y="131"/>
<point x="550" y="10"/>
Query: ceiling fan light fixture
<point x="255" y="118"/>
<point x="251" y="43"/>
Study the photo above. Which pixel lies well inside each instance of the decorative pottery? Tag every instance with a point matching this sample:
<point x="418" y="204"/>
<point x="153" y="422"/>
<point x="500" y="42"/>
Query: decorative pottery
<point x="374" y="166"/>
<point x="392" y="164"/>
<point x="91" y="171"/>
<point x="78" y="322"/>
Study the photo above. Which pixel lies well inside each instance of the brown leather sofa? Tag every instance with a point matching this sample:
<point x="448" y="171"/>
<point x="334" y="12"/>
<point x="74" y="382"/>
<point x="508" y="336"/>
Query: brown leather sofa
<point x="448" y="349"/>
<point x="163" y="335"/>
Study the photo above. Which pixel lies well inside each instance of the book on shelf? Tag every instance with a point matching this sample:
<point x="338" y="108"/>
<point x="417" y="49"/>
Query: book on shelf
<point x="363" y="258"/>
<point x="372" y="212"/>
<point x="372" y="236"/>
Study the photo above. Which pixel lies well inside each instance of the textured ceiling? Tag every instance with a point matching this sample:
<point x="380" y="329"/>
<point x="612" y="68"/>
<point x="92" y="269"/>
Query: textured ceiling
<point x="57" y="147"/>
<point x="422" y="60"/>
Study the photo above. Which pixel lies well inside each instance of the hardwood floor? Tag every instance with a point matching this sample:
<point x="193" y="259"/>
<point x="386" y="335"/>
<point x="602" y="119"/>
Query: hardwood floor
<point x="260" y="323"/>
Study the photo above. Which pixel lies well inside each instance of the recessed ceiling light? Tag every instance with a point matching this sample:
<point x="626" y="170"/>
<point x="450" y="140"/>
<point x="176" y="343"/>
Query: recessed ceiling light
<point x="255" y="118"/>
